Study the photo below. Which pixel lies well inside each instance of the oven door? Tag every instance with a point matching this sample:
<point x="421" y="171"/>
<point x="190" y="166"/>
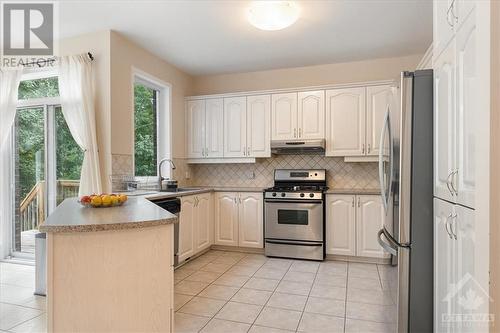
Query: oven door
<point x="294" y="220"/>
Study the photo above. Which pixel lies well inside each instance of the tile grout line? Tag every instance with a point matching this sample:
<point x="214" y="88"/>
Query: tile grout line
<point x="346" y="292"/>
<point x="307" y="299"/>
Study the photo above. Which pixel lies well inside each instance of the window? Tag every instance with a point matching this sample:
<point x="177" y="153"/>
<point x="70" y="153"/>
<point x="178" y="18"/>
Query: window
<point x="47" y="161"/>
<point x="152" y="138"/>
<point x="145" y="128"/>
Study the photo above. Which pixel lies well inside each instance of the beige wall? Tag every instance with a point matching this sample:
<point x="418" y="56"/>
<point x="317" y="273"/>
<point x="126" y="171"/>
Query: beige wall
<point x="124" y="56"/>
<point x="359" y="71"/>
<point x="99" y="44"/>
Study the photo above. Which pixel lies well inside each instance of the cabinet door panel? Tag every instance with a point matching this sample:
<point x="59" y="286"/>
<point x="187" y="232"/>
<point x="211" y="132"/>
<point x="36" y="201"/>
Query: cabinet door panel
<point x="195" y="123"/>
<point x="214" y="142"/>
<point x="235" y="119"/>
<point x="259" y="125"/>
<point x="311" y="115"/>
<point x="251" y="220"/>
<point x="444" y="123"/>
<point x="203" y="217"/>
<point x="377" y="102"/>
<point x="284" y="116"/>
<point x="187" y="228"/>
<point x="443" y="263"/>
<point x="370" y="217"/>
<point x="345" y="122"/>
<point x="226" y="219"/>
<point x="465" y="177"/>
<point x="341" y="225"/>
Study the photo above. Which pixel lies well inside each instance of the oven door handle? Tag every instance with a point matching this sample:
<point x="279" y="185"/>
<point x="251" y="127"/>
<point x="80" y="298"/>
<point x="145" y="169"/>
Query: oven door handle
<point x="293" y="243"/>
<point x="319" y="202"/>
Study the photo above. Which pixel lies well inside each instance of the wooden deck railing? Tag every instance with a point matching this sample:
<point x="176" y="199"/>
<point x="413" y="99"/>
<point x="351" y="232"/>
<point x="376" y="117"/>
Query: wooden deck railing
<point x="32" y="208"/>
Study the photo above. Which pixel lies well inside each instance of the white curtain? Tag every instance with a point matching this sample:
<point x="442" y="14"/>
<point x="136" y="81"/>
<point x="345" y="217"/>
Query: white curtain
<point x="9" y="85"/>
<point x="76" y="91"/>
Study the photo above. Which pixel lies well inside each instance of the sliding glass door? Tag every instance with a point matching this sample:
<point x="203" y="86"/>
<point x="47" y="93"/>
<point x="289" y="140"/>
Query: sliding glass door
<point x="46" y="168"/>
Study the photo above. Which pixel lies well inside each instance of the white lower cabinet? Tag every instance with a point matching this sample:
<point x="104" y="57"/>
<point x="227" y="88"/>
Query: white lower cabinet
<point x="457" y="289"/>
<point x="195" y="225"/>
<point x="352" y="224"/>
<point x="239" y="219"/>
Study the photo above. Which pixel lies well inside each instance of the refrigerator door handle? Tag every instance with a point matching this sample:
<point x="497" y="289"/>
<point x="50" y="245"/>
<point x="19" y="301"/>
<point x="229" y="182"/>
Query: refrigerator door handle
<point x="386" y="245"/>
<point x="382" y="148"/>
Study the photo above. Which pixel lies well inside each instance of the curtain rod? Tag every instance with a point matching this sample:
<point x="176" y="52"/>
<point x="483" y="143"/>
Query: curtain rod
<point x="41" y="62"/>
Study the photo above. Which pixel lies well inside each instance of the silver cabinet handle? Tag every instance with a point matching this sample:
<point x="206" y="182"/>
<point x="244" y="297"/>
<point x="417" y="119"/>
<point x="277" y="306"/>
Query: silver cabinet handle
<point x="448" y="183"/>
<point x="244" y="151"/>
<point x="363" y="148"/>
<point x="369" y="148"/>
<point x="300" y="132"/>
<point x="248" y="151"/>
<point x="294" y="132"/>
<point x="446" y="225"/>
<point x="353" y="202"/>
<point x="452" y="181"/>
<point x="453" y="220"/>
<point x="359" y="202"/>
<point x="235" y="200"/>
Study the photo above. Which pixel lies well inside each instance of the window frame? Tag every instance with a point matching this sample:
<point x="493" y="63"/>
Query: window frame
<point x="163" y="121"/>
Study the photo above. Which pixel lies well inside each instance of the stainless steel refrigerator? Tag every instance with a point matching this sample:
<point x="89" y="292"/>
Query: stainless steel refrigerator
<point x="405" y="170"/>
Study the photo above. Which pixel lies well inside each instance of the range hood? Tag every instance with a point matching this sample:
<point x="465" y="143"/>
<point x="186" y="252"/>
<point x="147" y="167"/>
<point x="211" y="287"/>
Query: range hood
<point x="296" y="147"/>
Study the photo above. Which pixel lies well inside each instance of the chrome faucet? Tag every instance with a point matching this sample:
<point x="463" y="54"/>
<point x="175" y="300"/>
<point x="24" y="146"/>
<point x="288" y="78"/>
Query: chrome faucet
<point x="160" y="177"/>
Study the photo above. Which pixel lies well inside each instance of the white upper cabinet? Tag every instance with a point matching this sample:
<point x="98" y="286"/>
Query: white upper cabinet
<point x="370" y="218"/>
<point x="443" y="24"/>
<point x="311" y="115"/>
<point x="466" y="78"/>
<point x="259" y="126"/>
<point x="284" y="116"/>
<point x="340" y="224"/>
<point x="251" y="220"/>
<point x="465" y="7"/>
<point x="226" y="219"/>
<point x="345" y="121"/>
<point x="235" y="127"/>
<point x="195" y="117"/>
<point x="444" y="124"/>
<point x="214" y="128"/>
<point x="378" y="99"/>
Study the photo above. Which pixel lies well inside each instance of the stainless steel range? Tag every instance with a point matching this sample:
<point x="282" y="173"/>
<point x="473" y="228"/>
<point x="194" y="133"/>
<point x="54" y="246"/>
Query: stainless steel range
<point x="294" y="214"/>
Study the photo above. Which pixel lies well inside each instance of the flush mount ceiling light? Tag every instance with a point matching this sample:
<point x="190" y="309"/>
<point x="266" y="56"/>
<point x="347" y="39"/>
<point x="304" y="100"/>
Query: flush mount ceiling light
<point x="272" y="15"/>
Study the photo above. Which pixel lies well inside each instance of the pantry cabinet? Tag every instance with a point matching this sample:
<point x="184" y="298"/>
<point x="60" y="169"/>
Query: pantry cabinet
<point x="454" y="263"/>
<point x="239" y="219"/>
<point x="455" y="101"/>
<point x="352" y="224"/>
<point x="195" y="225"/>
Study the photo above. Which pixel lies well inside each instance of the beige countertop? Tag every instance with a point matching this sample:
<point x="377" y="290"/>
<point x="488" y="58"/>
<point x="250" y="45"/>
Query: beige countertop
<point x="353" y="191"/>
<point x="137" y="212"/>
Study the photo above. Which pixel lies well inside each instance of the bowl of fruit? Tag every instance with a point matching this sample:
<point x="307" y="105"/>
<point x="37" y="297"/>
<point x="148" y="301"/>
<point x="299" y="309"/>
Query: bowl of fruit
<point x="103" y="200"/>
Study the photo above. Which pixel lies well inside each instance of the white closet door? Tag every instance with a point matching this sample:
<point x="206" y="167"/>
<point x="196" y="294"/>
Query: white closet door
<point x="345" y="122"/>
<point x="214" y="142"/>
<point x="259" y="126"/>
<point x="311" y="115"/>
<point x="235" y="128"/>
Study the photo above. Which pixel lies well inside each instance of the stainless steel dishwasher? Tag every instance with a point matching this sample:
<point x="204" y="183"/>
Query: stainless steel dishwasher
<point x="172" y="205"/>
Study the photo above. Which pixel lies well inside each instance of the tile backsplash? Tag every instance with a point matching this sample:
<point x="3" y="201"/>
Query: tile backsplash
<point x="340" y="174"/>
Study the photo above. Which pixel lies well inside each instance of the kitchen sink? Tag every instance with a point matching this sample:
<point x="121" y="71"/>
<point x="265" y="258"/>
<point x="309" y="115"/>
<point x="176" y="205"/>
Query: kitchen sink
<point x="181" y="189"/>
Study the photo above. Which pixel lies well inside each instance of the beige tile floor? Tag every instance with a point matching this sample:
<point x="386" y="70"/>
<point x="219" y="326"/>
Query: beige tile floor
<point x="20" y="310"/>
<point x="238" y="292"/>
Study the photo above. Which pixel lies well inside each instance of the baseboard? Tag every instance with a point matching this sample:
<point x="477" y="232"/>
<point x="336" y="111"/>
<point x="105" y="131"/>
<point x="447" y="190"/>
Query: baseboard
<point x="237" y="249"/>
<point x="367" y="260"/>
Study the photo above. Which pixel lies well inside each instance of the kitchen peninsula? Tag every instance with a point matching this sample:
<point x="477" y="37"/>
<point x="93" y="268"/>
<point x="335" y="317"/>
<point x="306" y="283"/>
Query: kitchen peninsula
<point x="96" y="259"/>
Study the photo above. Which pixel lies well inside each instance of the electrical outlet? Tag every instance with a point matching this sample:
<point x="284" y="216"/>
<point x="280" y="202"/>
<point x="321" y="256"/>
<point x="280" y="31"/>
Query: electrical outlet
<point x="251" y="175"/>
<point x="187" y="175"/>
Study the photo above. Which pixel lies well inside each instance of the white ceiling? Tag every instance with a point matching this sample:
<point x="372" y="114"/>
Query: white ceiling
<point x="211" y="37"/>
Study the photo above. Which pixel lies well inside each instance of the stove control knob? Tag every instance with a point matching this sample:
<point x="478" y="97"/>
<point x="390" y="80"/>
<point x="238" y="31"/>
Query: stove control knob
<point x="283" y="194"/>
<point x="311" y="195"/>
<point x="274" y="194"/>
<point x="302" y="195"/>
